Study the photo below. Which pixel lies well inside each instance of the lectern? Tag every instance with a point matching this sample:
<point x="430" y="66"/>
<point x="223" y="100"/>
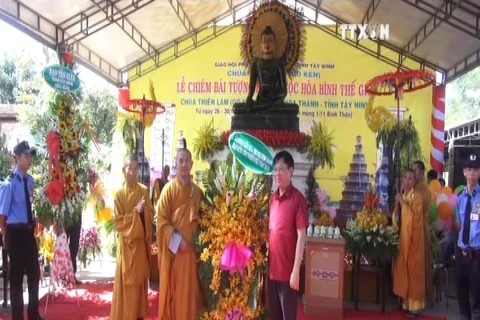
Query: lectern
<point x="324" y="274"/>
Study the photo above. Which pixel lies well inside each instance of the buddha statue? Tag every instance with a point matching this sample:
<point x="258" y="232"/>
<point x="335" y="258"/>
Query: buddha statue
<point x="268" y="110"/>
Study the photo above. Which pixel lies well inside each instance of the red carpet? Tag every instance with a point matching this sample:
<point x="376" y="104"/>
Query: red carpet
<point x="95" y="302"/>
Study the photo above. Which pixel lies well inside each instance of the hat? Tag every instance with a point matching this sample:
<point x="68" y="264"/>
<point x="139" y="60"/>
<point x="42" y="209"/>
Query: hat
<point x="23" y="147"/>
<point x="473" y="161"/>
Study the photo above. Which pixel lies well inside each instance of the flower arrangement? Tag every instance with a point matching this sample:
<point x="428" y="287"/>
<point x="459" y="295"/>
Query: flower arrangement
<point x="89" y="246"/>
<point x="47" y="246"/>
<point x="69" y="152"/>
<point x="274" y="138"/>
<point x="63" y="184"/>
<point x="232" y="242"/>
<point x="369" y="235"/>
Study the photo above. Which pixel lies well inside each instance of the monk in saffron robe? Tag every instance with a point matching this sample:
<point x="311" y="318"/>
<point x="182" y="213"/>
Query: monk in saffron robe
<point x="180" y="296"/>
<point x="422" y="189"/>
<point x="159" y="184"/>
<point x="133" y="222"/>
<point x="408" y="271"/>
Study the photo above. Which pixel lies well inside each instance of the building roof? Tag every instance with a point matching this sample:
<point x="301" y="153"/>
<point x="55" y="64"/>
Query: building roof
<point x="115" y="37"/>
<point x="9" y="112"/>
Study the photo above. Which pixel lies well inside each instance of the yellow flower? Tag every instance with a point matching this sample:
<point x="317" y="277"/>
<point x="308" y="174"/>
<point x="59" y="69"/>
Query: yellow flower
<point x="205" y="255"/>
<point x="61" y="112"/>
<point x="244" y="223"/>
<point x="62" y="126"/>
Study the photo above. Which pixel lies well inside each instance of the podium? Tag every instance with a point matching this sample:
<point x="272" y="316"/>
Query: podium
<point x="324" y="276"/>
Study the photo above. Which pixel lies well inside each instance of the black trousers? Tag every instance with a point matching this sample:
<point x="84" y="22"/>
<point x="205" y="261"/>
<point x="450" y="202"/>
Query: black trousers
<point x="23" y="252"/>
<point x="282" y="301"/>
<point x="73" y="235"/>
<point x="468" y="283"/>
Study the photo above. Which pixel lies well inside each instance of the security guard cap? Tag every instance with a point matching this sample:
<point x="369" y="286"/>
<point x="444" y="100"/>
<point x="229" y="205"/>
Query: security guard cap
<point x="473" y="161"/>
<point x="23" y="147"/>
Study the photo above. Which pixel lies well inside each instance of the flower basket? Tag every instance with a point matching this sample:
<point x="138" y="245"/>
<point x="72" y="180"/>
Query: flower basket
<point x="369" y="236"/>
<point x="89" y="247"/>
<point x="232" y="241"/>
<point x="376" y="244"/>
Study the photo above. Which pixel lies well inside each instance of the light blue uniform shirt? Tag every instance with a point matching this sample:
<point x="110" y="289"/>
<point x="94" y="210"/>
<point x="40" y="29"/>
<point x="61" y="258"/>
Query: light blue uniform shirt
<point x="13" y="204"/>
<point x="474" y="223"/>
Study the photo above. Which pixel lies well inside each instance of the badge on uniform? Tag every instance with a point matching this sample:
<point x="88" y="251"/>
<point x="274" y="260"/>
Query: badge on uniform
<point x="474" y="216"/>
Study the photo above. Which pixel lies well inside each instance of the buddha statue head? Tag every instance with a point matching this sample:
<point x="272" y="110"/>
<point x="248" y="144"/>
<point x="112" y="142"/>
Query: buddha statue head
<point x="268" y="43"/>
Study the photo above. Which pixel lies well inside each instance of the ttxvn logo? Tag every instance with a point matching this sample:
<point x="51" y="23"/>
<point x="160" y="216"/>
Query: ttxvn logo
<point x="366" y="31"/>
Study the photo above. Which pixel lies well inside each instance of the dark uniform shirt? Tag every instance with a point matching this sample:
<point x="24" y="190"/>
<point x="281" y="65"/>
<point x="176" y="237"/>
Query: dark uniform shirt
<point x="474" y="218"/>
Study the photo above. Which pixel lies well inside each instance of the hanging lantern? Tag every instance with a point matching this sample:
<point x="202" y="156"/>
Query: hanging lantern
<point x="124" y="98"/>
<point x="68" y="58"/>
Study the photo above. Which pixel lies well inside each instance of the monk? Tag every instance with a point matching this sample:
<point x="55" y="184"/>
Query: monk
<point x="177" y="221"/>
<point x="133" y="222"/>
<point x="159" y="184"/>
<point x="408" y="275"/>
<point x="422" y="189"/>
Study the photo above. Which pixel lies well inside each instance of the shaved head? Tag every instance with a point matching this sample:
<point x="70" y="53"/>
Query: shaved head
<point x="184" y="163"/>
<point x="130" y="169"/>
<point x="129" y="159"/>
<point x="183" y="150"/>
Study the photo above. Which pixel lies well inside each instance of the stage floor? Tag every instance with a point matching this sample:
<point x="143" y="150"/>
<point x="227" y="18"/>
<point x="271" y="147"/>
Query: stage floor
<point x="102" y="273"/>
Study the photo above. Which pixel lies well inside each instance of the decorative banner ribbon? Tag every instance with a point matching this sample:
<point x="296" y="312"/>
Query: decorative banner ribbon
<point x="235" y="258"/>
<point x="55" y="191"/>
<point x="235" y="314"/>
<point x="88" y="130"/>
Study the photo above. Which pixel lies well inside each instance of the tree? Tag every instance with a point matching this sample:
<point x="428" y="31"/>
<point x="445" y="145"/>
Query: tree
<point x="463" y="99"/>
<point x="99" y="109"/>
<point x="21" y="75"/>
<point x="5" y="158"/>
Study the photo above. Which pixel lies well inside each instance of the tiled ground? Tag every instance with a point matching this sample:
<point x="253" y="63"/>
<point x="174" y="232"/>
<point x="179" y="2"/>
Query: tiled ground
<point x="103" y="271"/>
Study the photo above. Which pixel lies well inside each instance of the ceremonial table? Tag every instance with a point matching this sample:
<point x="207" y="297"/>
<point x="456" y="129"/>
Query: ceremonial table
<point x="324" y="276"/>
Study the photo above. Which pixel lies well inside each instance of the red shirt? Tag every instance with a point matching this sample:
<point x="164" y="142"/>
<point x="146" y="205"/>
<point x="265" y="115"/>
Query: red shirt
<point x="287" y="214"/>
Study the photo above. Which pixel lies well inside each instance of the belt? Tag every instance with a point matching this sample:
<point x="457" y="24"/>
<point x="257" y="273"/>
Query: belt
<point x="470" y="253"/>
<point x="24" y="226"/>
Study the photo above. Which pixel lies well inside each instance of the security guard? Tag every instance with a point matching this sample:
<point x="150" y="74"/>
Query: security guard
<point x="18" y="229"/>
<point x="467" y="257"/>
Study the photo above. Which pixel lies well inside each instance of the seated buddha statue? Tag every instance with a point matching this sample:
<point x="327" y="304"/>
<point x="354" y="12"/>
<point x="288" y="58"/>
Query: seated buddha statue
<point x="268" y="110"/>
<point x="270" y="74"/>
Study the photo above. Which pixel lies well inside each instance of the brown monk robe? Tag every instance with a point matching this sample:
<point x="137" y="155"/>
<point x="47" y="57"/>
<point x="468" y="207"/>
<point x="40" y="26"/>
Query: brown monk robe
<point x="408" y="273"/>
<point x="177" y="210"/>
<point x="159" y="184"/>
<point x="422" y="188"/>
<point x="134" y="228"/>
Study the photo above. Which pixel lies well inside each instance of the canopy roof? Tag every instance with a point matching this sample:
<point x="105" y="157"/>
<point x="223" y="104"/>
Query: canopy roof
<point x="114" y="37"/>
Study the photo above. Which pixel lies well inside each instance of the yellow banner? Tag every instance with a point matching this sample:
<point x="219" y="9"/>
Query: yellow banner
<point x="329" y="87"/>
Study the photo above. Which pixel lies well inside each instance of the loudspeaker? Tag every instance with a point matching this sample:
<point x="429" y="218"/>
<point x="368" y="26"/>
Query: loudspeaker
<point x="456" y="160"/>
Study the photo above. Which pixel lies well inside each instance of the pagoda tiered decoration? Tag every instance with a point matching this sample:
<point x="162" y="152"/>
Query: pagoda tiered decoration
<point x="356" y="186"/>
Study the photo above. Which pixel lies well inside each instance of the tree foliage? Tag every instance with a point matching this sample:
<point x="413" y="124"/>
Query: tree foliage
<point x="5" y="158"/>
<point x="99" y="109"/>
<point x="463" y="99"/>
<point x="21" y="82"/>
